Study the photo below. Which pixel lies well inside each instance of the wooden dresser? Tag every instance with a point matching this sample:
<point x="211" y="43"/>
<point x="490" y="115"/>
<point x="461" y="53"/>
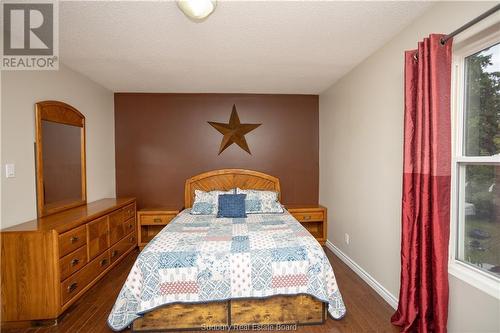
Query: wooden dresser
<point x="48" y="263"/>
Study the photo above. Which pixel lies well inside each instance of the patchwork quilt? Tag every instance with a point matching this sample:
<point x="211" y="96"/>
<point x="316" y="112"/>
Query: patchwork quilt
<point x="201" y="258"/>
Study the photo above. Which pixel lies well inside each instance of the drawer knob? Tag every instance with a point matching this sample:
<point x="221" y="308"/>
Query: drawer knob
<point x="132" y="239"/>
<point x="104" y="262"/>
<point x="72" y="287"/>
<point x="157" y="220"/>
<point x="307" y="217"/>
<point x="114" y="253"/>
<point x="130" y="226"/>
<point x="73" y="239"/>
<point x="75" y="262"/>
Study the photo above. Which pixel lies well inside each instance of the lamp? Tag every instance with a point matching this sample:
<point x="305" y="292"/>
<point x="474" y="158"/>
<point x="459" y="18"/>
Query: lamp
<point x="197" y="9"/>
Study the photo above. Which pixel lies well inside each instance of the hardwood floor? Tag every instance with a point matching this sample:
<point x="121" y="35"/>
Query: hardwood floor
<point x="366" y="310"/>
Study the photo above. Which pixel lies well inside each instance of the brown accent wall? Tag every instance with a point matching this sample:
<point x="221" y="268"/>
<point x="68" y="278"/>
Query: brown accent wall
<point x="163" y="139"/>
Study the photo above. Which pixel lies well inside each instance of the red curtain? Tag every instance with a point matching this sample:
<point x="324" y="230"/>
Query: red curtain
<point x="423" y="296"/>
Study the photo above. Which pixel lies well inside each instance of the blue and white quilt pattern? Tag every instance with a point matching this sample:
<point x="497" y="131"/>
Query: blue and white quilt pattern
<point x="200" y="258"/>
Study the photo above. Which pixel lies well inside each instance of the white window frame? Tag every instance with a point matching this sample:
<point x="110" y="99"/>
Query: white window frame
<point x="486" y="282"/>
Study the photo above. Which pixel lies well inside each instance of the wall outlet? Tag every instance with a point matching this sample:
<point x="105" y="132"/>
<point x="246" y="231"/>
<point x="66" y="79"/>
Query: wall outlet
<point x="347" y="238"/>
<point x="10" y="170"/>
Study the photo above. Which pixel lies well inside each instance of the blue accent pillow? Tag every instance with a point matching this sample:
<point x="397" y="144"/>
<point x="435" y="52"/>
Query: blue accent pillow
<point x="232" y="205"/>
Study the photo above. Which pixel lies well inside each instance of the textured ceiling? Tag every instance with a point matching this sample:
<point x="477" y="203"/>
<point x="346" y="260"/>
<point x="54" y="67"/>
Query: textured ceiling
<point x="255" y="47"/>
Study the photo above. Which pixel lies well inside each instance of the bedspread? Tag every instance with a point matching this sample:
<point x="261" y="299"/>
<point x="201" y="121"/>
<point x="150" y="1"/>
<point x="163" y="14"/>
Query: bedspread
<point x="200" y="258"/>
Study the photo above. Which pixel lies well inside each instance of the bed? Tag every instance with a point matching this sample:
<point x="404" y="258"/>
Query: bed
<point x="203" y="272"/>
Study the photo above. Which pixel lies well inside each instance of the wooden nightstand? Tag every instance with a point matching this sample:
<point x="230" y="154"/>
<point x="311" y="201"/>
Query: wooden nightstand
<point x="150" y="221"/>
<point x="313" y="218"/>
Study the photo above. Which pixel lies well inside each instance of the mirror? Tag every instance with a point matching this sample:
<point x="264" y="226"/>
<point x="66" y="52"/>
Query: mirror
<point x="60" y="157"/>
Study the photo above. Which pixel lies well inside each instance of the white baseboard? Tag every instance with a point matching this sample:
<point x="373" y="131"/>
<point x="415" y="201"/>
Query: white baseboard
<point x="380" y="289"/>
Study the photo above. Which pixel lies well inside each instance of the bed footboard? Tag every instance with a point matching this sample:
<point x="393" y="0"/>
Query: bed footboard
<point x="272" y="311"/>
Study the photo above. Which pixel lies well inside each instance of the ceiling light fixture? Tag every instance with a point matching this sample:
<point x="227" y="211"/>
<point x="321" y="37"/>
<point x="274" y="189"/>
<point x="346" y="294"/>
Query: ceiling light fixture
<point x="197" y="9"/>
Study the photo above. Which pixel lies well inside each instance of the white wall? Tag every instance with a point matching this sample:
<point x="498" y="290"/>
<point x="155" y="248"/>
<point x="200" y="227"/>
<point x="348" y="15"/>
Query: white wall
<point x="361" y="141"/>
<point x="20" y="90"/>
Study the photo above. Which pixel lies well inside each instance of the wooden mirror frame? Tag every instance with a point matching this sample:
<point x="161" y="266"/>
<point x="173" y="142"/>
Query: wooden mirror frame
<point x="62" y="113"/>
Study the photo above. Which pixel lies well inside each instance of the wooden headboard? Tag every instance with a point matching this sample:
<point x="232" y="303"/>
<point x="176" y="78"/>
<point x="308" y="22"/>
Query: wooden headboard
<point x="226" y="179"/>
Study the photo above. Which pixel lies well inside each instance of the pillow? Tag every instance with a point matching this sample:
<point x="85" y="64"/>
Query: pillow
<point x="231" y="205"/>
<point x="258" y="194"/>
<point x="206" y="203"/>
<point x="261" y="202"/>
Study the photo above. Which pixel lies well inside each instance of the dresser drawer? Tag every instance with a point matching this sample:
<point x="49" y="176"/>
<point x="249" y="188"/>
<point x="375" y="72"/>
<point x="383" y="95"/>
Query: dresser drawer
<point x="71" y="240"/>
<point x="129" y="212"/>
<point x="122" y="246"/>
<point x="308" y="216"/>
<point x="129" y="226"/>
<point x="163" y="219"/>
<point x="73" y="262"/>
<point x="78" y="281"/>
<point x="97" y="232"/>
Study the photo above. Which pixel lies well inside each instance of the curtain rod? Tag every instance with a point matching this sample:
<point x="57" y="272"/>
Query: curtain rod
<point x="470" y="23"/>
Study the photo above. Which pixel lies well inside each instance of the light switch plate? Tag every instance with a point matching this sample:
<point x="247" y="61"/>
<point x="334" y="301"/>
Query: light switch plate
<point x="10" y="170"/>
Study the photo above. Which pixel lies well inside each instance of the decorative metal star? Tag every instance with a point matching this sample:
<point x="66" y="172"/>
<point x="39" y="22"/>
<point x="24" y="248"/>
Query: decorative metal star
<point x="234" y="132"/>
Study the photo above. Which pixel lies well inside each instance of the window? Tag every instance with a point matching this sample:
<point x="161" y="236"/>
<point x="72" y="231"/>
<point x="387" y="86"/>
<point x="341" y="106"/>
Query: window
<point x="475" y="241"/>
